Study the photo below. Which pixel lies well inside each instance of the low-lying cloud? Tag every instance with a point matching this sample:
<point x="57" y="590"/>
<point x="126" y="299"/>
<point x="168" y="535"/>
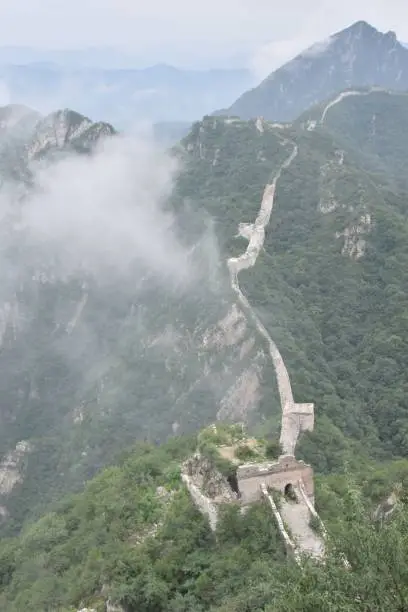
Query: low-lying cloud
<point x="95" y="262"/>
<point x="104" y="214"/>
<point x="271" y="56"/>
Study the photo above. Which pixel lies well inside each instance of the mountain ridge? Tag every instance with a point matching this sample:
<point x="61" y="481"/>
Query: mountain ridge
<point x="124" y="96"/>
<point x="359" y="55"/>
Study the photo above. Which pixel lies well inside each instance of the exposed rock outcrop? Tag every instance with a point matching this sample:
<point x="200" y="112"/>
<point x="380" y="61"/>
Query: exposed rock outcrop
<point x="354" y="242"/>
<point x="210" y="481"/>
<point x="111" y="607"/>
<point x="11" y="467"/>
<point x="207" y="486"/>
<point x="386" y="508"/>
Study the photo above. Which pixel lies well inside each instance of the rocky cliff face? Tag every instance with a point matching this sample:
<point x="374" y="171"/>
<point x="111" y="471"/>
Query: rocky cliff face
<point x="26" y="136"/>
<point x="210" y="481"/>
<point x="12" y="472"/>
<point x="66" y="130"/>
<point x="207" y="486"/>
<point x="358" y="56"/>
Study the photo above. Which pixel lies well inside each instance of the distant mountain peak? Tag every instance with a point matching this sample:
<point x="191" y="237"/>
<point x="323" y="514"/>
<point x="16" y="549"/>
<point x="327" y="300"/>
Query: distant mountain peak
<point x="357" y="56"/>
<point x="362" y="29"/>
<point x="14" y="115"/>
<point x="392" y="35"/>
<point x="360" y="26"/>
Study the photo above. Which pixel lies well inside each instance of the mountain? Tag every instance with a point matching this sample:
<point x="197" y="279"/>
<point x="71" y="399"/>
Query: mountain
<point x="124" y="97"/>
<point x="132" y="310"/>
<point x="26" y="136"/>
<point x="359" y="56"/>
<point x="87" y="57"/>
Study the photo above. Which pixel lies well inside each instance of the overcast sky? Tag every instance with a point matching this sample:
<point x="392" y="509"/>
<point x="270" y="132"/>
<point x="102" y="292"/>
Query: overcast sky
<point x="192" y="32"/>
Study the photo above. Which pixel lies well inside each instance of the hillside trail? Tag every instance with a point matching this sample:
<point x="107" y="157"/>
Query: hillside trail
<point x="293" y="520"/>
<point x="339" y="98"/>
<point x="255" y="233"/>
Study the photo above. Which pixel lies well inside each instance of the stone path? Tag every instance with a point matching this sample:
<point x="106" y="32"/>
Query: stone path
<point x="297" y="516"/>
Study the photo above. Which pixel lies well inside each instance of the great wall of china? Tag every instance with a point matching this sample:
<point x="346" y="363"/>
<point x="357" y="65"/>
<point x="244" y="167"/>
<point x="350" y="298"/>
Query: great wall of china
<point x="294" y="515"/>
<point x="255" y="481"/>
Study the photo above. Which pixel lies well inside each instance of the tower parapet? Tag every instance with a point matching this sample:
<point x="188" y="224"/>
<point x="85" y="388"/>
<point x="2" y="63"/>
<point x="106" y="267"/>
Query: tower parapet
<point x="277" y="475"/>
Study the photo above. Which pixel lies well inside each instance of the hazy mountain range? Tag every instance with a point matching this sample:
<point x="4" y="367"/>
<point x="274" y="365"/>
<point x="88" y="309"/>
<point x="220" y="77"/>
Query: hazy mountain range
<point x="92" y="57"/>
<point x="122" y="96"/>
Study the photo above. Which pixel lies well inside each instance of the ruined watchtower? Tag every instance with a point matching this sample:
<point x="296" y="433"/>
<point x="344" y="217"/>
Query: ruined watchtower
<point x="278" y="475"/>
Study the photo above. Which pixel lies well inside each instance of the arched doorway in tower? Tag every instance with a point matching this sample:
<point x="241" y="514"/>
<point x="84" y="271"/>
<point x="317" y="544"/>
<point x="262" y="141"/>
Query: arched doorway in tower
<point x="289" y="492"/>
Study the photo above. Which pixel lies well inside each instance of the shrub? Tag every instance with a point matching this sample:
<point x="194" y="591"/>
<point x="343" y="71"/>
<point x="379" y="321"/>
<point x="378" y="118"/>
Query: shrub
<point x="273" y="449"/>
<point x="244" y="452"/>
<point x="314" y="524"/>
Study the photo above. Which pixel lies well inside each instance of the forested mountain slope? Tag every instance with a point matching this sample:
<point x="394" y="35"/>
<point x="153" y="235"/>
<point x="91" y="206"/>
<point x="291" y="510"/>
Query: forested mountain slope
<point x="133" y="541"/>
<point x="330" y="282"/>
<point x="372" y="121"/>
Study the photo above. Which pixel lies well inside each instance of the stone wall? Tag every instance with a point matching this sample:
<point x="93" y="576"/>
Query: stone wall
<point x="206" y="506"/>
<point x="296" y="418"/>
<point x="207" y="487"/>
<point x="287" y="470"/>
<point x="287" y="540"/>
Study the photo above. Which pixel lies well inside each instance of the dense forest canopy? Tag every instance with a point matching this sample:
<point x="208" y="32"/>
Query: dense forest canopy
<point x="135" y="538"/>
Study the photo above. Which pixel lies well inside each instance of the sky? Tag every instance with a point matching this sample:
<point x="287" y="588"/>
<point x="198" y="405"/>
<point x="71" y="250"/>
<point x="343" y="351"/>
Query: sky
<point x="261" y="34"/>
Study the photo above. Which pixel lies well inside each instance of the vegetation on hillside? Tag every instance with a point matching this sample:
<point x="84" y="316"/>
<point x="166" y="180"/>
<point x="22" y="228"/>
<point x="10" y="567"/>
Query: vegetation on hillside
<point x="337" y="314"/>
<point x="338" y="320"/>
<point x="134" y="537"/>
<point x="371" y="124"/>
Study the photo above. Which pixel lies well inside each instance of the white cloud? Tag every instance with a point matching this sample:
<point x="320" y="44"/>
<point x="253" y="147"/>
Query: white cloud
<point x="4" y="94"/>
<point x="105" y="214"/>
<point x="317" y="48"/>
<point x="271" y="56"/>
